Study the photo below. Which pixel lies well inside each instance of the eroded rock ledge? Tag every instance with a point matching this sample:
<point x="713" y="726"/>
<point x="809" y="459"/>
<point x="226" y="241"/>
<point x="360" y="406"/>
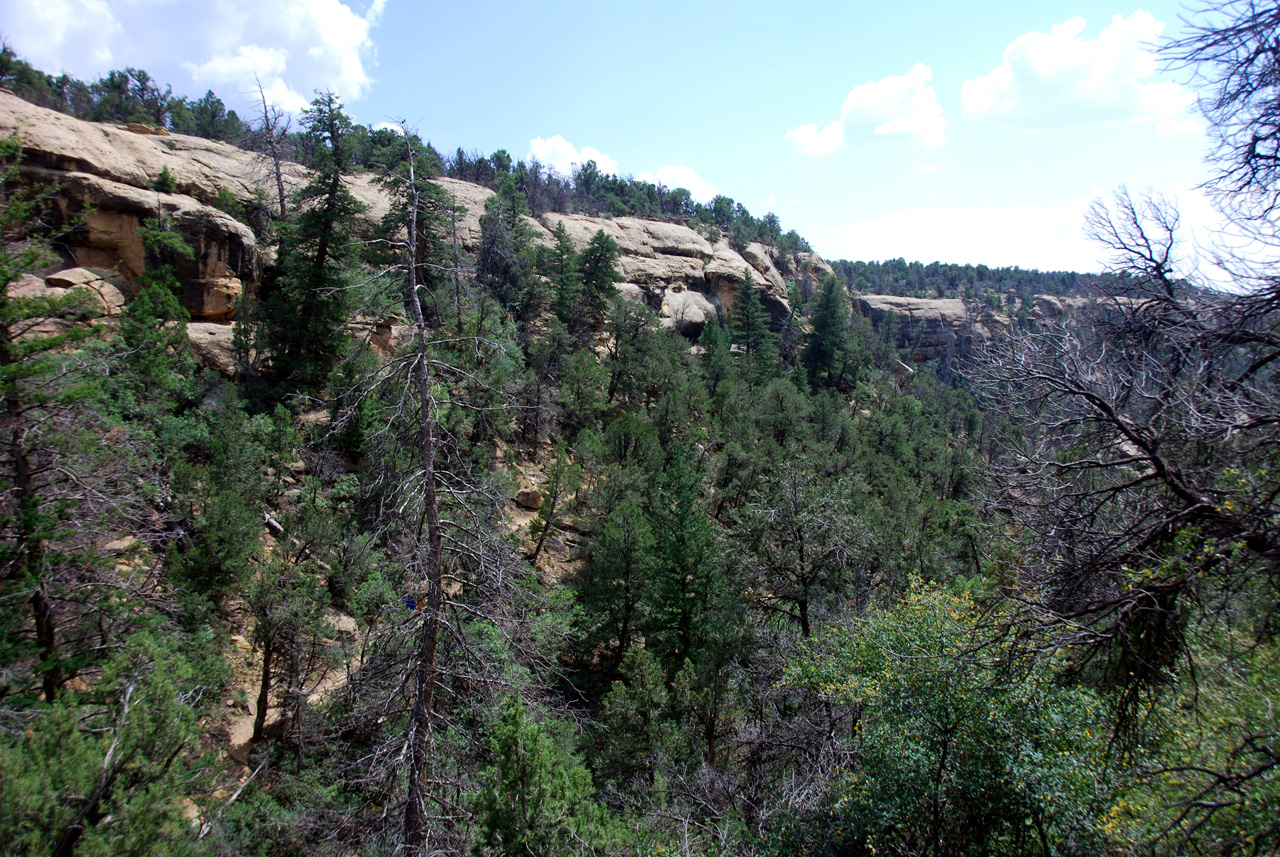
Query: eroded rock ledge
<point x="104" y="175"/>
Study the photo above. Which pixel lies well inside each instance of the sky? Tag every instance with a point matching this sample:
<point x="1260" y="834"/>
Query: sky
<point x="971" y="132"/>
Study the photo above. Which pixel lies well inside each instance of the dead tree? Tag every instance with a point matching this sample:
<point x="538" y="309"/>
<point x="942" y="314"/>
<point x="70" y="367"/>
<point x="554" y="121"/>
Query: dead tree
<point x="439" y="507"/>
<point x="1139" y="470"/>
<point x="428" y="554"/>
<point x="274" y="126"/>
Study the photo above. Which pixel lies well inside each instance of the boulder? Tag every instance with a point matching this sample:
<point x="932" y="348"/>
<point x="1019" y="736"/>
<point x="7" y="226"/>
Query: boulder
<point x="211" y="345"/>
<point x="632" y="292"/>
<point x="213" y="299"/>
<point x="758" y="257"/>
<point x="529" y="498"/>
<point x="28" y="286"/>
<point x="95" y="281"/>
<point x="385" y="336"/>
<point x="816" y="264"/>
<point x="661" y="259"/>
<point x="341" y="623"/>
<point x="688" y="310"/>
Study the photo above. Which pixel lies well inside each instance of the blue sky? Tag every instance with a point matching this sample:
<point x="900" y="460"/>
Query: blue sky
<point x="974" y="132"/>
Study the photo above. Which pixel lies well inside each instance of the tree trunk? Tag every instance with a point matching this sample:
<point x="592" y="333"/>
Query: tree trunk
<point x="269" y="128"/>
<point x="264" y="691"/>
<point x="429" y="559"/>
<point x="46" y="639"/>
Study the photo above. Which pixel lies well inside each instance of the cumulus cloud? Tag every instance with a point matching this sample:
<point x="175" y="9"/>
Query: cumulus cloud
<point x="561" y="155"/>
<point x="297" y="46"/>
<point x="897" y="104"/>
<point x="685" y="177"/>
<point x="1060" y="79"/>
<point x="74" y="36"/>
<point x="293" y="46"/>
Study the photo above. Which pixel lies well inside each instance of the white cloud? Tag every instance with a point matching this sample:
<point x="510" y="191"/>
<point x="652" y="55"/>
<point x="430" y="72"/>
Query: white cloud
<point x="74" y="36"/>
<point x="388" y="126"/>
<point x="294" y="46"/>
<point x="561" y="155"/>
<point x="810" y="140"/>
<point x="897" y="104"/>
<point x="685" y="177"/>
<point x="928" y="168"/>
<point x="1059" y="79"/>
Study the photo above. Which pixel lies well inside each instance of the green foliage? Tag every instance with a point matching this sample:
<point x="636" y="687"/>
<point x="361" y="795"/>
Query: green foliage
<point x="105" y="772"/>
<point x="560" y="264"/>
<point x="307" y="302"/>
<point x="750" y="326"/>
<point x="597" y="265"/>
<point x="827" y="349"/>
<point x="205" y="117"/>
<point x="153" y="326"/>
<point x="505" y="261"/>
<point x="955" y="755"/>
<point x="638" y="740"/>
<point x="537" y="799"/>
<point x="612" y="588"/>
<point x="687" y="582"/>
<point x="1203" y="781"/>
<point x="225" y="200"/>
<point x="217" y="496"/>
<point x="583" y="392"/>
<point x="165" y="182"/>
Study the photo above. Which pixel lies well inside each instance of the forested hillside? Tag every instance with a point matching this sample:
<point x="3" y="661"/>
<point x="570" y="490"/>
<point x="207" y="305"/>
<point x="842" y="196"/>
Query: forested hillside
<point x="360" y="500"/>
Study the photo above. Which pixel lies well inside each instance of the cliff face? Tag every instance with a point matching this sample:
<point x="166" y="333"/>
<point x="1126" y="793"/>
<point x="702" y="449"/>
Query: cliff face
<point x="105" y="174"/>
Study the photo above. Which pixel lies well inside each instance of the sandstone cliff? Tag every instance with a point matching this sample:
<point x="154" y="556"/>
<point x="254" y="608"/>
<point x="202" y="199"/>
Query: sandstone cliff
<point x="105" y="174"/>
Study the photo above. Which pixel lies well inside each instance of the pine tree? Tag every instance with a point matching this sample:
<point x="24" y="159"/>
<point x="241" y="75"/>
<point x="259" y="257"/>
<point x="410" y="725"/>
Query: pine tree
<point x="561" y="265"/>
<point x="687" y="578"/>
<point x="37" y="396"/>
<point x="612" y="589"/>
<point x="307" y="305"/>
<point x="537" y="800"/>
<point x="598" y="265"/>
<point x="750" y="325"/>
<point x="826" y="348"/>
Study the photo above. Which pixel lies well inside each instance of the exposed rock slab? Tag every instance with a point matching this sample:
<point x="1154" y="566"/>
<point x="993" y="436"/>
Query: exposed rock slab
<point x="932" y="328"/>
<point x="211" y="345"/>
<point x="106" y="174"/>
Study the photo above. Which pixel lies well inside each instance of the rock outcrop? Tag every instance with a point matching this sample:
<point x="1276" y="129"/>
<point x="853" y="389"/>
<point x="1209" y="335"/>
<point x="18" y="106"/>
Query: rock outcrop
<point x="681" y="275"/>
<point x="931" y="328"/>
<point x="105" y="175"/>
<point x="211" y="345"/>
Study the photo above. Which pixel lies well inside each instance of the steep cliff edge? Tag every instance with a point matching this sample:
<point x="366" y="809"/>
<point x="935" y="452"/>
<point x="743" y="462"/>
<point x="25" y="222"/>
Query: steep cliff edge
<point x="105" y="175"/>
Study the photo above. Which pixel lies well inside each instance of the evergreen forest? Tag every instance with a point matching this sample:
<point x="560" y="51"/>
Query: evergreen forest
<point x="551" y="577"/>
